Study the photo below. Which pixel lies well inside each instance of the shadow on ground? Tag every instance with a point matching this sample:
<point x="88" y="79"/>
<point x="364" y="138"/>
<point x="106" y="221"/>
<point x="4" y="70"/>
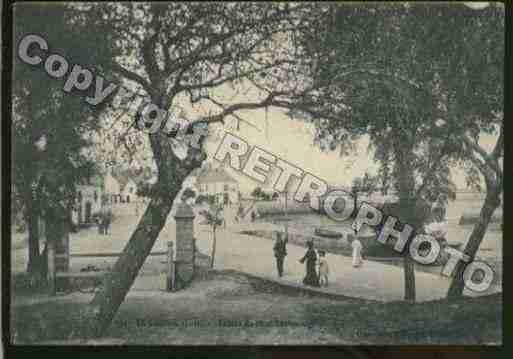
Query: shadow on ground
<point x="227" y="307"/>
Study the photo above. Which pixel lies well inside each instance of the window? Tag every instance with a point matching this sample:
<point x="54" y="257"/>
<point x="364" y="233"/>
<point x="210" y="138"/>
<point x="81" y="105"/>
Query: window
<point x="95" y="196"/>
<point x="131" y="189"/>
<point x="226" y="188"/>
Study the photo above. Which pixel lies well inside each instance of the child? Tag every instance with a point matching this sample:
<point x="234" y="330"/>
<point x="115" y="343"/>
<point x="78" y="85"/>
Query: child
<point x="324" y="269"/>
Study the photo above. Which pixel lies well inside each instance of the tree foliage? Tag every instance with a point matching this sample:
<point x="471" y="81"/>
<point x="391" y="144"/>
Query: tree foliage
<point x="192" y="53"/>
<point x="188" y="193"/>
<point x="260" y="194"/>
<point x="50" y="129"/>
<point x="416" y="79"/>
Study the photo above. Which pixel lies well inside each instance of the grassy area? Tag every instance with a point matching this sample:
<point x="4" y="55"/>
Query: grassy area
<point x="465" y="321"/>
<point x="229" y="308"/>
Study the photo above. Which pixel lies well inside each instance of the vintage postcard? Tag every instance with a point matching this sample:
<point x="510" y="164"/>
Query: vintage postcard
<point x="243" y="173"/>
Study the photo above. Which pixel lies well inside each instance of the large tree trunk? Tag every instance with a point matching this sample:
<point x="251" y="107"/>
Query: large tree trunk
<point x="409" y="278"/>
<point x="172" y="173"/>
<point x="407" y="205"/>
<point x="33" y="265"/>
<point x="491" y="203"/>
<point x="407" y="208"/>
<point x="214" y="245"/>
<point x="118" y="282"/>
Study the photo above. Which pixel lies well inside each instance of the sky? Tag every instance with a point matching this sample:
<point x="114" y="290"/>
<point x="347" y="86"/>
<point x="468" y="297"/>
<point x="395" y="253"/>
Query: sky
<point x="292" y="140"/>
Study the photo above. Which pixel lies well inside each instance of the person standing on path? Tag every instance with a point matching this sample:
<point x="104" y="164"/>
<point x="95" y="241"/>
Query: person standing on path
<point x="357" y="245"/>
<point x="240" y="214"/>
<point x="108" y="219"/>
<point x="99" y="223"/>
<point x="324" y="269"/>
<point x="357" y="252"/>
<point x="310" y="257"/>
<point x="280" y="251"/>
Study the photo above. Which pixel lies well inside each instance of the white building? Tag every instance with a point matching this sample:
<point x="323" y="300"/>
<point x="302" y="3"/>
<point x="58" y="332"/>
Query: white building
<point x="89" y="200"/>
<point x="115" y="190"/>
<point x="112" y="189"/>
<point x="218" y="182"/>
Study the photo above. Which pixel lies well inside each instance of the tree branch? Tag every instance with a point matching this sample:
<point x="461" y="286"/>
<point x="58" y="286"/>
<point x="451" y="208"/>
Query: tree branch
<point x="489" y="160"/>
<point x="431" y="173"/>
<point x="499" y="146"/>
<point x="230" y="110"/>
<point x="233" y="114"/>
<point x="149" y="46"/>
<point x="129" y="75"/>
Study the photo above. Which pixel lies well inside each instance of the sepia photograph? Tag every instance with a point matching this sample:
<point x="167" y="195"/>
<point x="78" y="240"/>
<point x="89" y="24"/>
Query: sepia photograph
<point x="254" y="173"/>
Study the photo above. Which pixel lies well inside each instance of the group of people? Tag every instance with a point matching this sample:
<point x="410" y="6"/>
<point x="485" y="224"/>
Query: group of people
<point x="317" y="268"/>
<point x="103" y="221"/>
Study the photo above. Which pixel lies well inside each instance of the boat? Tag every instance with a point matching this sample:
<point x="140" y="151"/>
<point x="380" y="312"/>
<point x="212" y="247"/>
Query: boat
<point x="327" y="233"/>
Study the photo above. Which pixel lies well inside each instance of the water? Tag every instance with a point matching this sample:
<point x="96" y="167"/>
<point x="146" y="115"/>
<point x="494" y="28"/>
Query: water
<point x="490" y="249"/>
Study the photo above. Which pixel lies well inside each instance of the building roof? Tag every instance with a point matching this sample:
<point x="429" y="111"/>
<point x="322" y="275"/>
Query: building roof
<point x="216" y="176"/>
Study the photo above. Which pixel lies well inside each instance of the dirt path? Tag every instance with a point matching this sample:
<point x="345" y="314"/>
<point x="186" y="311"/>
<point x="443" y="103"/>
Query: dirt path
<point x="373" y="280"/>
<point x="252" y="255"/>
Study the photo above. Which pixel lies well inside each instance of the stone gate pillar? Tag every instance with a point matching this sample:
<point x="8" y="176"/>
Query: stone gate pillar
<point x="185" y="247"/>
<point x="57" y="230"/>
<point x="61" y="241"/>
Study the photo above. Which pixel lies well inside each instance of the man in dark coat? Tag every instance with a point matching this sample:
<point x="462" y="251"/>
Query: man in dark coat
<point x="108" y="220"/>
<point x="101" y="224"/>
<point x="280" y="251"/>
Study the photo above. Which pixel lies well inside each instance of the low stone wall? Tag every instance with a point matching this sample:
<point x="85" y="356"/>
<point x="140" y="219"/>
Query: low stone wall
<point x="273" y="208"/>
<point x="471" y="217"/>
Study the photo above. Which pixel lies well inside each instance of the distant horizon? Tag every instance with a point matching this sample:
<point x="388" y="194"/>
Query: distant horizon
<point x="236" y="177"/>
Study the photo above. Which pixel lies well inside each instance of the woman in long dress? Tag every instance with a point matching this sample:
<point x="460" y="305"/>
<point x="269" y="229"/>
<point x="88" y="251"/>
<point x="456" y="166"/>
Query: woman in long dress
<point x="357" y="245"/>
<point x="357" y="252"/>
<point x="310" y="257"/>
